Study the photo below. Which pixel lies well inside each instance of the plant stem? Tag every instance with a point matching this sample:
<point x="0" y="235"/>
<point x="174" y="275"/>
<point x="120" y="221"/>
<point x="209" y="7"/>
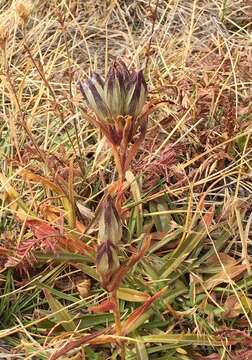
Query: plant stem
<point x="118" y="325"/>
<point x="116" y="310"/>
<point x="118" y="162"/>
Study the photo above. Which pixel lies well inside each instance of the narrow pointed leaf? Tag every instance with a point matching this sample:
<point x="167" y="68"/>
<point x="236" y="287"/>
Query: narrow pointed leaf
<point x="62" y="316"/>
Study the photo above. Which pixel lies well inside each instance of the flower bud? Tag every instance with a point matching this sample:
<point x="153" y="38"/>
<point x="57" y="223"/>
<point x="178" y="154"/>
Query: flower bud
<point x="107" y="262"/>
<point x="110" y="227"/>
<point x="122" y="94"/>
<point x="116" y="87"/>
<point x="136" y="95"/>
<point x="93" y="91"/>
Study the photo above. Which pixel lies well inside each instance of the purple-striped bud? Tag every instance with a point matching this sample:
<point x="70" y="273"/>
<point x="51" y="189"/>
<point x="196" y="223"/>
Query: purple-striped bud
<point x="123" y="93"/>
<point x="93" y="91"/>
<point x="116" y="86"/>
<point x="136" y="95"/>
<point x="110" y="227"/>
<point x="107" y="262"/>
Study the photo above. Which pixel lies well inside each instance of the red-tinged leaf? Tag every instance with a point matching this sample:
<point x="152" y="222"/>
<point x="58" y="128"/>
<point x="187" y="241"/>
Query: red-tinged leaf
<point x="232" y="307"/>
<point x="224" y="276"/>
<point x="223" y="257"/>
<point x="22" y="257"/>
<point x="29" y="175"/>
<point x="244" y="354"/>
<point x="210" y="357"/>
<point x="104" y="306"/>
<point x="6" y="252"/>
<point x="234" y="336"/>
<point x="96" y="338"/>
<point x="42" y="231"/>
<point x="208" y="217"/>
<point x="80" y="227"/>
<point x="117" y="278"/>
<point x="61" y="188"/>
<point x="139" y="311"/>
<point x="236" y="305"/>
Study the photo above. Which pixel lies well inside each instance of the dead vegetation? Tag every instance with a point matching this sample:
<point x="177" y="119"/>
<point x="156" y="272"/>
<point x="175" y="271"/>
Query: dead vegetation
<point x="186" y="293"/>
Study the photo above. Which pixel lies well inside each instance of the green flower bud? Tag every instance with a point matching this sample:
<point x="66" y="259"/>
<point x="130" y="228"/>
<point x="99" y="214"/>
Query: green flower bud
<point x="107" y="262"/>
<point x="93" y="91"/>
<point x="116" y="87"/>
<point x="110" y="227"/>
<point x="136" y="95"/>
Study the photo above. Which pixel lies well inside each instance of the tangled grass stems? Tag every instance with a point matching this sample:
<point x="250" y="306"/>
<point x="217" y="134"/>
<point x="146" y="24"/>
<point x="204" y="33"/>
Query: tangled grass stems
<point x="188" y="183"/>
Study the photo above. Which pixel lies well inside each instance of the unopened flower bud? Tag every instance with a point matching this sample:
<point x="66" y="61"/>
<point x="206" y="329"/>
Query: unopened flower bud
<point x="123" y="93"/>
<point x="116" y="86"/>
<point x="136" y="95"/>
<point x="110" y="227"/>
<point x="92" y="90"/>
<point x="107" y="262"/>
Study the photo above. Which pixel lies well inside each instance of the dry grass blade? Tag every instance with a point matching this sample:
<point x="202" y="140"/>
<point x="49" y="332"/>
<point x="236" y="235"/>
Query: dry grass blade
<point x="177" y="166"/>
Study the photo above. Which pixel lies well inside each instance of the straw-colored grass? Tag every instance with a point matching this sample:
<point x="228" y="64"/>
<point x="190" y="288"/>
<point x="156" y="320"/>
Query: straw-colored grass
<point x="190" y="185"/>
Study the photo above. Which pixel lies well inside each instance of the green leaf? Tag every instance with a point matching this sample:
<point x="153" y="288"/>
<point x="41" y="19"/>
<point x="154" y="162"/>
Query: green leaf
<point x="128" y="294"/>
<point x="90" y="320"/>
<point x="162" y="221"/>
<point x="62" y="316"/>
<point x="141" y="352"/>
<point x="186" y="246"/>
<point x="184" y="339"/>
<point x="136" y="193"/>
